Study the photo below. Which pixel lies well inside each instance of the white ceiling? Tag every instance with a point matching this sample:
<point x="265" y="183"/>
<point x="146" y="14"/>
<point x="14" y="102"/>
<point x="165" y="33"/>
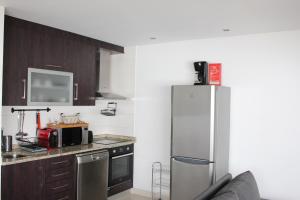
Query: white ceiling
<point x="133" y="22"/>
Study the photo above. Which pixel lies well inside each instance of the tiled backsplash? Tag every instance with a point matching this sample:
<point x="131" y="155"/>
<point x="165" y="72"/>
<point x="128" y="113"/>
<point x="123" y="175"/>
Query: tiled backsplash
<point x="121" y="124"/>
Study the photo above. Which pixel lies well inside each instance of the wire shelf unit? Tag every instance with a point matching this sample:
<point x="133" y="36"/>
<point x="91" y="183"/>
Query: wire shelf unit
<point x="160" y="180"/>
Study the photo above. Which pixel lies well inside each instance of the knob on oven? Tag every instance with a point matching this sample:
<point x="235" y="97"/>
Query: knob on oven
<point x="114" y="151"/>
<point x="127" y="148"/>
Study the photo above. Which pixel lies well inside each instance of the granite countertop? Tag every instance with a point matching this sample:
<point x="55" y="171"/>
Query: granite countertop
<point x="125" y="140"/>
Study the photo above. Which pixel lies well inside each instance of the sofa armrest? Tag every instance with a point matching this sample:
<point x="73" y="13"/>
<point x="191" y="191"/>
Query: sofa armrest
<point x="212" y="190"/>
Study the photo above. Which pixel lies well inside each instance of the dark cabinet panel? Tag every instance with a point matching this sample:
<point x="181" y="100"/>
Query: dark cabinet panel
<point x="85" y="71"/>
<point x="47" y="48"/>
<point x="60" y="177"/>
<point x="24" y="181"/>
<point x="52" y="178"/>
<point x="28" y="44"/>
<point x="15" y="63"/>
<point x="80" y="57"/>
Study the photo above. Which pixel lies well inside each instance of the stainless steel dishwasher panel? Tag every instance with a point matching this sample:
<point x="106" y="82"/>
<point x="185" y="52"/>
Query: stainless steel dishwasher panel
<point x="92" y="175"/>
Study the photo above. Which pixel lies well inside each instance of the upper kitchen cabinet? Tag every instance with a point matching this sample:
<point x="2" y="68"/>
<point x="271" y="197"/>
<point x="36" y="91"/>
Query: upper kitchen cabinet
<point x="80" y="55"/>
<point x="30" y="45"/>
<point x="47" y="48"/>
<point x="15" y="63"/>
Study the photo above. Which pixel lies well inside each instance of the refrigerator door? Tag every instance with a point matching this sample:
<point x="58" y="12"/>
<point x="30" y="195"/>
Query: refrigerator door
<point x="189" y="177"/>
<point x="192" y="121"/>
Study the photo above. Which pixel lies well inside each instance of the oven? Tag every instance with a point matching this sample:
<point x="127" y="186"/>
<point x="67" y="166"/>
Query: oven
<point x="120" y="176"/>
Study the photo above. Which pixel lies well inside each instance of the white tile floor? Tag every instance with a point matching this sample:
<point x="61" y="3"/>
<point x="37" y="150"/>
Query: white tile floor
<point x="128" y="196"/>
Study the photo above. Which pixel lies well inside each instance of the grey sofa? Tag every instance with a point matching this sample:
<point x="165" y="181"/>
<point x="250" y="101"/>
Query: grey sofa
<point x="242" y="187"/>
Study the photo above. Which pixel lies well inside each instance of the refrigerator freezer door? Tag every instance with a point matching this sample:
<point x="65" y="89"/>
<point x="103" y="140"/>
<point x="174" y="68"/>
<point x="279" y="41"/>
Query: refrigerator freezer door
<point x="192" y="121"/>
<point x="189" y="180"/>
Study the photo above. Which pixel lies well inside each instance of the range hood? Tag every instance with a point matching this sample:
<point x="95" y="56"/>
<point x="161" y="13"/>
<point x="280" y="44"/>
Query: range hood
<point x="103" y="77"/>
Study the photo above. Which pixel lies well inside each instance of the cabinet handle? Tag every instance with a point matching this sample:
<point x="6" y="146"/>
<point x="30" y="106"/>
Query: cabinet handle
<point x="41" y="171"/>
<point x="61" y="174"/>
<point x="56" y="66"/>
<point x="64" y="198"/>
<point x="76" y="91"/>
<point x="24" y="89"/>
<point x="92" y="98"/>
<point x="55" y="188"/>
<point x="60" y="162"/>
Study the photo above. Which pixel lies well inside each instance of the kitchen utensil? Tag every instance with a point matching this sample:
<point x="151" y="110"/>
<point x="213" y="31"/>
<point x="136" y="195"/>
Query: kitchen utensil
<point x="110" y="110"/>
<point x="6" y="143"/>
<point x="38" y="122"/>
<point x="69" y="119"/>
<point x="21" y="118"/>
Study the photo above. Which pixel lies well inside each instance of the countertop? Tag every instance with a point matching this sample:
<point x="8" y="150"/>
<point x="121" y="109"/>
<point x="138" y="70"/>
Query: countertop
<point x="66" y="150"/>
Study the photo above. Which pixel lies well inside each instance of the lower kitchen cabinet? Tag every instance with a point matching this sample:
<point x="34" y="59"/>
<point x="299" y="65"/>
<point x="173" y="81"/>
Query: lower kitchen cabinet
<point x="49" y="179"/>
<point x="22" y="181"/>
<point x="60" y="178"/>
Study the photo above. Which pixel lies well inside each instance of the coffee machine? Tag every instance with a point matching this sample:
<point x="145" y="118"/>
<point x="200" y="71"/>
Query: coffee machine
<point x="201" y="69"/>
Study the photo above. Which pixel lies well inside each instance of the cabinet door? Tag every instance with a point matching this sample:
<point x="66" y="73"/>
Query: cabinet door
<point x="80" y="57"/>
<point x="32" y="45"/>
<point x="24" y="181"/>
<point x="86" y="73"/>
<point x="47" y="48"/>
<point x="15" y="63"/>
<point x="60" y="177"/>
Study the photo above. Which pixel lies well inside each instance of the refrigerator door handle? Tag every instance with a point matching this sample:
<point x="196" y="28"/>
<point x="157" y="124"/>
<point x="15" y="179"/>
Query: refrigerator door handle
<point x="192" y="161"/>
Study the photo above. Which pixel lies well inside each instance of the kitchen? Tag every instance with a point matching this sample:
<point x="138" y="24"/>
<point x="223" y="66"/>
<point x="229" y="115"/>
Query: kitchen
<point x="75" y="110"/>
<point x="72" y="159"/>
<point x="148" y="47"/>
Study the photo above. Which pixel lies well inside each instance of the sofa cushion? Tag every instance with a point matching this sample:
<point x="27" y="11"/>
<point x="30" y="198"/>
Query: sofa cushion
<point x="244" y="185"/>
<point x="226" y="196"/>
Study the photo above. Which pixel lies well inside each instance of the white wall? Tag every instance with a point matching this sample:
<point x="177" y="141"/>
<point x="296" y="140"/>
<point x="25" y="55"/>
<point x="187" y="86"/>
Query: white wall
<point x="122" y="69"/>
<point x="121" y="124"/>
<point x="263" y="71"/>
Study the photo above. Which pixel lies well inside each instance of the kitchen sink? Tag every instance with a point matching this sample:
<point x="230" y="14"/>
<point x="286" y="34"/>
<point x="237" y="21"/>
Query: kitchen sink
<point x="13" y="156"/>
<point x="107" y="141"/>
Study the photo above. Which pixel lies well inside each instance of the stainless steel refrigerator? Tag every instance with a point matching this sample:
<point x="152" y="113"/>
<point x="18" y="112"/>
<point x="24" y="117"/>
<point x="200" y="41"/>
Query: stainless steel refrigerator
<point x="200" y="138"/>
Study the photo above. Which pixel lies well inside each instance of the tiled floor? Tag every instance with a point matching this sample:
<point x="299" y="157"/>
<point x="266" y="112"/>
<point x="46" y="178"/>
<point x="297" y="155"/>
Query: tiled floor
<point x="128" y="196"/>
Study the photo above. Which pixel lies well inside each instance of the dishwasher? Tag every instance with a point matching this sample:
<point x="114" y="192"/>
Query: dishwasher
<point x="92" y="175"/>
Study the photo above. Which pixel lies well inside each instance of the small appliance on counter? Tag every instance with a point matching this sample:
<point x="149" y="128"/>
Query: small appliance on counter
<point x="48" y="138"/>
<point x="71" y="134"/>
<point x="6" y="143"/>
<point x="90" y="137"/>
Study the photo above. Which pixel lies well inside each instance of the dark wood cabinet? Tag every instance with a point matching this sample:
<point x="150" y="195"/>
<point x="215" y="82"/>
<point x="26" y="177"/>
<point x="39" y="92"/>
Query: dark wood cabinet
<point x="53" y="178"/>
<point x="27" y="44"/>
<point x="60" y="178"/>
<point x="22" y="181"/>
<point x="15" y="63"/>
<point x="80" y="57"/>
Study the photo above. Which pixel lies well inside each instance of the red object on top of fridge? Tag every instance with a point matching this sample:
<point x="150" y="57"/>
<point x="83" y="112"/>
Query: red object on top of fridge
<point x="215" y="74"/>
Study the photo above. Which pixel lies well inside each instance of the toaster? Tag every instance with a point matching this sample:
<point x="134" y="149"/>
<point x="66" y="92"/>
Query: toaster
<point x="48" y="138"/>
